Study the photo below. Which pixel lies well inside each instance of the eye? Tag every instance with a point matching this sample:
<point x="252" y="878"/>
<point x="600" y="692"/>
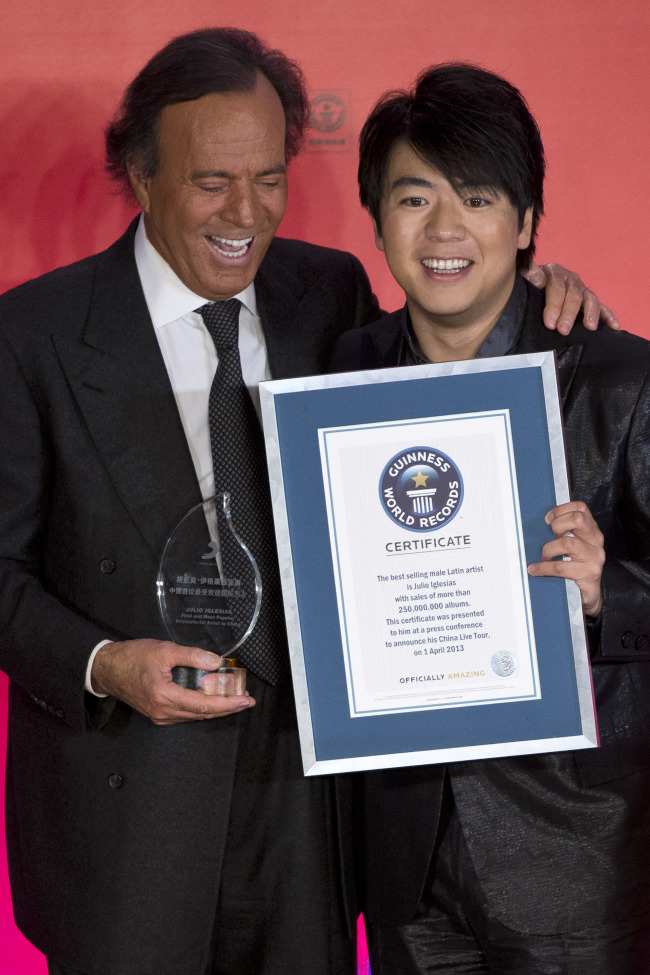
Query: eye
<point x="211" y="187"/>
<point x="476" y="202"/>
<point x="414" y="201"/>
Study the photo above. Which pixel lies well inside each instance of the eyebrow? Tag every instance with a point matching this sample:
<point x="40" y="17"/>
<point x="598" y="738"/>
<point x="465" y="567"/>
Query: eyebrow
<point x="225" y="174"/>
<point x="425" y="184"/>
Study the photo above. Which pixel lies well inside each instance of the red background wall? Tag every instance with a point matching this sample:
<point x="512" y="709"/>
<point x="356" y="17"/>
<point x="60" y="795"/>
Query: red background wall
<point x="583" y="65"/>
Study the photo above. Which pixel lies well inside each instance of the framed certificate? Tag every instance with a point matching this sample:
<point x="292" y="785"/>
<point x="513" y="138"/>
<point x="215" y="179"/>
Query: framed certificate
<point x="408" y="503"/>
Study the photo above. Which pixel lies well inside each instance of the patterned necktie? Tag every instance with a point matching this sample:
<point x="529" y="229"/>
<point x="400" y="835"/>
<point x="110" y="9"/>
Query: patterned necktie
<point x="239" y="465"/>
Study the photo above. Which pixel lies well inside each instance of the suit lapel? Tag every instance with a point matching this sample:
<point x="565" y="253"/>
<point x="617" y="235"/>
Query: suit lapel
<point x="568" y="360"/>
<point x="279" y="292"/>
<point x="535" y="337"/>
<point x="387" y="342"/>
<point x="118" y="377"/>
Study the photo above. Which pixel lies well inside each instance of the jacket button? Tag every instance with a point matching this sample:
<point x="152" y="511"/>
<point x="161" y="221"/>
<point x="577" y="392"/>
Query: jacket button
<point x="627" y="640"/>
<point x="107" y="566"/>
<point x="115" y="781"/>
<point x="641" y="642"/>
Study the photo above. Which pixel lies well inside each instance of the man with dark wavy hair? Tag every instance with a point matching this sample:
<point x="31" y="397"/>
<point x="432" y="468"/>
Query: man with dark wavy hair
<point x="154" y="829"/>
<point x="142" y="837"/>
<point x="535" y="864"/>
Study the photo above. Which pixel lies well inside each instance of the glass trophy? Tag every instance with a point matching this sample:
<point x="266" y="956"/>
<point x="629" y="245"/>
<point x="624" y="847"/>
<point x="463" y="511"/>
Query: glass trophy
<point x="209" y="593"/>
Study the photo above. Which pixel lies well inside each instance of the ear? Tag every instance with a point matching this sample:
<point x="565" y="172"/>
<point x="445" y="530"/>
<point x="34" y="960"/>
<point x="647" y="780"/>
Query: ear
<point x="379" y="240"/>
<point x="525" y="233"/>
<point x="139" y="184"/>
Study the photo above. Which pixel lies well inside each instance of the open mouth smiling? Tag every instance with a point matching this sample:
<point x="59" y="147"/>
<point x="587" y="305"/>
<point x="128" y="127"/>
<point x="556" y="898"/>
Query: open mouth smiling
<point x="230" y="248"/>
<point x="452" y="265"/>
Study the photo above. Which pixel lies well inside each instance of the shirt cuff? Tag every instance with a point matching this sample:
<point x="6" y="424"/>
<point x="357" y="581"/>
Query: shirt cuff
<point x="91" y="660"/>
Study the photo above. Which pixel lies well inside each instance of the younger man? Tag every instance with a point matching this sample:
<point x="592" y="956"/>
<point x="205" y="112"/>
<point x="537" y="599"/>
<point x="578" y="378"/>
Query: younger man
<point x="533" y="864"/>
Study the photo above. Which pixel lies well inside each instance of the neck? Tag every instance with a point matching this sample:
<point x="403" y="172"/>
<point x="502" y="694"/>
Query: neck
<point x="448" y="344"/>
<point x="452" y="337"/>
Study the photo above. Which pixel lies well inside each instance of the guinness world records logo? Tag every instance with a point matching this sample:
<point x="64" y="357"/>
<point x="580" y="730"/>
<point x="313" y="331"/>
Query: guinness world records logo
<point x="421" y="489"/>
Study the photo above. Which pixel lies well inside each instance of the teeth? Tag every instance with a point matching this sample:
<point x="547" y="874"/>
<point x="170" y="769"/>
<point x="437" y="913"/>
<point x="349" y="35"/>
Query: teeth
<point x="452" y="265"/>
<point x="241" y="250"/>
<point x="233" y="243"/>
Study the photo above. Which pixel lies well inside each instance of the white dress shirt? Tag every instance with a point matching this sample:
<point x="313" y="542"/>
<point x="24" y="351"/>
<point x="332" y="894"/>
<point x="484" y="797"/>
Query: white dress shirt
<point x="189" y="351"/>
<point x="190" y="356"/>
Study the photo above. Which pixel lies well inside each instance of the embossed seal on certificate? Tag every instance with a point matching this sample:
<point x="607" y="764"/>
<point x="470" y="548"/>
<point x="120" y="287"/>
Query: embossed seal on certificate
<point x="503" y="663"/>
<point x="421" y="489"/>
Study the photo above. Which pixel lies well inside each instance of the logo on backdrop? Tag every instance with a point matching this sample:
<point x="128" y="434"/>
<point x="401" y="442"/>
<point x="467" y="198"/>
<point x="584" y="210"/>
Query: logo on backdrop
<point x="327" y="113"/>
<point x="421" y="489"/>
<point x="330" y="118"/>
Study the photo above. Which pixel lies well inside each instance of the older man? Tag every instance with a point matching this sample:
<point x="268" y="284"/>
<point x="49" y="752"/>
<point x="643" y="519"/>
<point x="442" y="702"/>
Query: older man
<point x="144" y="839"/>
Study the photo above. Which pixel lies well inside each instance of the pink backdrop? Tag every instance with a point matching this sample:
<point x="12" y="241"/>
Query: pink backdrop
<point x="583" y="66"/>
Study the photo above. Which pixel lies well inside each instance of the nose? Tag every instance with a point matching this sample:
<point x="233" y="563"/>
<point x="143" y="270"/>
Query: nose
<point x="445" y="221"/>
<point x="240" y="208"/>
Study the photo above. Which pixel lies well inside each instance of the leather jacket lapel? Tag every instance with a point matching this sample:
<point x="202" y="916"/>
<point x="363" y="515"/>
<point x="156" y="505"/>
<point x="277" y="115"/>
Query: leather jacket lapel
<point x="535" y="337"/>
<point x="568" y="361"/>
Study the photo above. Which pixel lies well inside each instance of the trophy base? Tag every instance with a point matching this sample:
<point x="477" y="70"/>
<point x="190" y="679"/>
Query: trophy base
<point x="224" y="682"/>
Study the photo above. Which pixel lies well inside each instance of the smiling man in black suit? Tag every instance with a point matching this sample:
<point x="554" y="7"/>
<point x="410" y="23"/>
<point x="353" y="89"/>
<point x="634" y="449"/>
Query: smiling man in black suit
<point x="533" y="865"/>
<point x="154" y="829"/>
<point x="142" y="837"/>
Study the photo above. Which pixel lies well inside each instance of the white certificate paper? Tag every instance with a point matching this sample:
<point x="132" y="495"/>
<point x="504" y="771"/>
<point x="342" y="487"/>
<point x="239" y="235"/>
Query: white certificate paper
<point x="429" y="564"/>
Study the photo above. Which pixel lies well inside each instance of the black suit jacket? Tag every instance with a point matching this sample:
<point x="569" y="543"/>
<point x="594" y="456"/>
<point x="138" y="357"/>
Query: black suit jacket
<point x="558" y="841"/>
<point x="95" y="472"/>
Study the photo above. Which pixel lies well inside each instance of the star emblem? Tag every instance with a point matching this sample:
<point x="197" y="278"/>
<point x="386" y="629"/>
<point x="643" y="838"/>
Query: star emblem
<point x="420" y="479"/>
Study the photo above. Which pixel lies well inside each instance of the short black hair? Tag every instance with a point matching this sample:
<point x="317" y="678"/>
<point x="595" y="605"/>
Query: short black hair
<point x="214" y="60"/>
<point x="471" y="125"/>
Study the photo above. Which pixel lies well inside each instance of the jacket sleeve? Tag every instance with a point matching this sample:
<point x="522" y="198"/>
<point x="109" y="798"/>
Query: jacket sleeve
<point x="44" y="644"/>
<point x="625" y="618"/>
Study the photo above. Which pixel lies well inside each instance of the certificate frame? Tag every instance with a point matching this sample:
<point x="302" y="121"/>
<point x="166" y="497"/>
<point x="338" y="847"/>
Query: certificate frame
<point x="555" y="711"/>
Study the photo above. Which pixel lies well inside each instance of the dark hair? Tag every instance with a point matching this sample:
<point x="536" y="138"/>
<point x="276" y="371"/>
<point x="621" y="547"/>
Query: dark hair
<point x="219" y="59"/>
<point x="472" y="126"/>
